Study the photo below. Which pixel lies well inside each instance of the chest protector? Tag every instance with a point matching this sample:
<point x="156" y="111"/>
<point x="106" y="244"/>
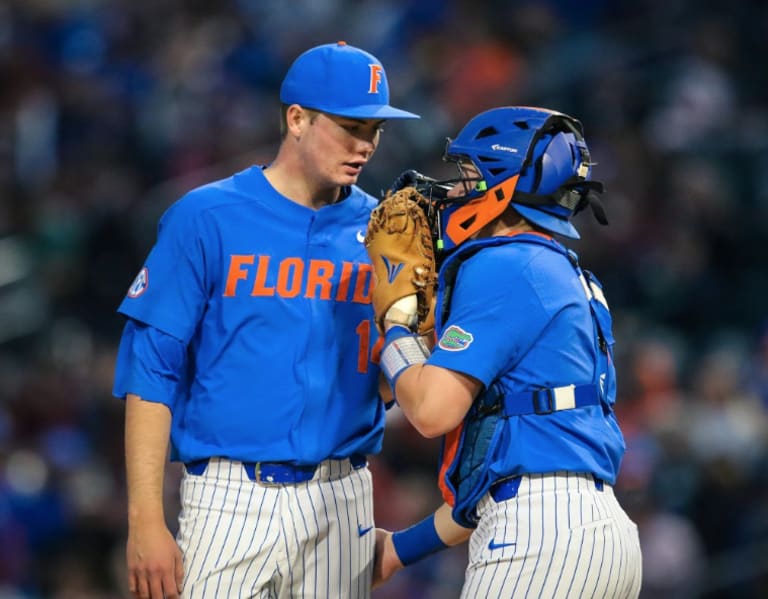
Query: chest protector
<point x="470" y="450"/>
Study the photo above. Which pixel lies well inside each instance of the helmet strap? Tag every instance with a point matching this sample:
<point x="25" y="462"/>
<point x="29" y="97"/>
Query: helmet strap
<point x="573" y="195"/>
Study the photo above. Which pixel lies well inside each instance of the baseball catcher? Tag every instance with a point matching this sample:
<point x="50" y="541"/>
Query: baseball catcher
<point x="521" y="382"/>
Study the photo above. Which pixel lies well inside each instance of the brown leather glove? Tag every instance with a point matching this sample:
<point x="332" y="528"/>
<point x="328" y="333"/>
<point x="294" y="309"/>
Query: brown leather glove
<point x="399" y="244"/>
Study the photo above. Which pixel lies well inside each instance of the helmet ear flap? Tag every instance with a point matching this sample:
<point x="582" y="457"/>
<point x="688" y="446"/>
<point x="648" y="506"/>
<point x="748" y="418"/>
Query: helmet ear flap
<point x="557" y="185"/>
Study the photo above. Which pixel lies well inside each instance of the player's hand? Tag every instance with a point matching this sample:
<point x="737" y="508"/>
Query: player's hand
<point x="427" y="326"/>
<point x="408" y="178"/>
<point x="386" y="562"/>
<point x="155" y="567"/>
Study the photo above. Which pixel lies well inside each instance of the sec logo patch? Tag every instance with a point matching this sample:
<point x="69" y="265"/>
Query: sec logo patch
<point x="140" y="283"/>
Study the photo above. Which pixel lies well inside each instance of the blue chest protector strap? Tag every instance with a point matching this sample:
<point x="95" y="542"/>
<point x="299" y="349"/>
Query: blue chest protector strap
<point x="546" y="401"/>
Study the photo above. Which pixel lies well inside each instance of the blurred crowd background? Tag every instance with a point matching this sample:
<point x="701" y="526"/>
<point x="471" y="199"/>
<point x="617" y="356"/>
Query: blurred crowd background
<point x="111" y="109"/>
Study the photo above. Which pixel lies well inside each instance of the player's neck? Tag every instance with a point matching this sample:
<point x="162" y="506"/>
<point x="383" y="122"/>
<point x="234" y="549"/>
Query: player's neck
<point x="287" y="180"/>
<point x="505" y="226"/>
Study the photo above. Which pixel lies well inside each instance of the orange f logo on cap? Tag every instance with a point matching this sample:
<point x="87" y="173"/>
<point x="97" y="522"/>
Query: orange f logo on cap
<point x="376" y="70"/>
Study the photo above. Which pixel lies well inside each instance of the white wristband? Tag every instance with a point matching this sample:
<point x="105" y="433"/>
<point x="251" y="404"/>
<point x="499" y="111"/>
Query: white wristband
<point x="406" y="350"/>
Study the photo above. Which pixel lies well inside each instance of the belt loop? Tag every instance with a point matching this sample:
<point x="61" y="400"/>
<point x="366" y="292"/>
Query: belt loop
<point x="251" y="470"/>
<point x="197" y="467"/>
<point x="505" y="488"/>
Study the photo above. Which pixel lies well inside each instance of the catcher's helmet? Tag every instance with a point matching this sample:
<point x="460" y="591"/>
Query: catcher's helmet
<point x="533" y="158"/>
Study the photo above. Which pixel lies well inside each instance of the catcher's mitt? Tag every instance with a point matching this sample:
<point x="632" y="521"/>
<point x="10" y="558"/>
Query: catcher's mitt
<point x="399" y="244"/>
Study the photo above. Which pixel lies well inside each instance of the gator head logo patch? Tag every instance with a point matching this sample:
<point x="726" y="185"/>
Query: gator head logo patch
<point x="455" y="339"/>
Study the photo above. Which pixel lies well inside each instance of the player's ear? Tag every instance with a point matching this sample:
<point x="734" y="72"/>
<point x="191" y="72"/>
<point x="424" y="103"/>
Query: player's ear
<point x="296" y="119"/>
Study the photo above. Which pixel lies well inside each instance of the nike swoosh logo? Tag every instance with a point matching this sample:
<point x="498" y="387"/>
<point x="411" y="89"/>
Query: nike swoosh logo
<point x="493" y="545"/>
<point x="363" y="531"/>
<point x="360" y="236"/>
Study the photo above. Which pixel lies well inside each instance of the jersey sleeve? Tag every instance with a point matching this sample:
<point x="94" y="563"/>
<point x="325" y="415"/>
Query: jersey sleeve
<point x="150" y="364"/>
<point x="169" y="293"/>
<point x="495" y="316"/>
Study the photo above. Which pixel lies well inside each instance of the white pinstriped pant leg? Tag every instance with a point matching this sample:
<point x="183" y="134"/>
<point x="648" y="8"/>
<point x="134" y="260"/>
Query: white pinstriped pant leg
<point x="559" y="538"/>
<point x="324" y="519"/>
<point x="226" y="524"/>
<point x="243" y="539"/>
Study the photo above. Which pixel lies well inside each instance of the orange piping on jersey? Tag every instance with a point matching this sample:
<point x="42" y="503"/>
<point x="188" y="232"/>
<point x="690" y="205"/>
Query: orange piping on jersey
<point x="450" y="449"/>
<point x="480" y="211"/>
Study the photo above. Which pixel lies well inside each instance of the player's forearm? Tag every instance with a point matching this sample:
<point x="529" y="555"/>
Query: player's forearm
<point x="447" y="529"/>
<point x="434" y="399"/>
<point x="147" y="430"/>
<point x="411" y="394"/>
<point x="433" y="534"/>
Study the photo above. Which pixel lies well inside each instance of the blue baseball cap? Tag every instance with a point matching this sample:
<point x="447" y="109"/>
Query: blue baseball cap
<point x="342" y="80"/>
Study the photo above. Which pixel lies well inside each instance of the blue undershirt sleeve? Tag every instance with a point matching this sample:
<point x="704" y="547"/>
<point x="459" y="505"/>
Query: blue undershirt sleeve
<point x="150" y="364"/>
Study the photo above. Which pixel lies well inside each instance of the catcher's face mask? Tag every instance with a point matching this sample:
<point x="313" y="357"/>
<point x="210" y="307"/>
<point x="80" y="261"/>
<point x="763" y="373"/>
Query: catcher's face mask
<point x="533" y="158"/>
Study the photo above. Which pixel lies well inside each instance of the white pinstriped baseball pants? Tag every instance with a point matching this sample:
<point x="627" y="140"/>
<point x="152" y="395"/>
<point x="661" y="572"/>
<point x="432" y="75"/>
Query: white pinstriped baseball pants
<point x="560" y="537"/>
<point x="242" y="539"/>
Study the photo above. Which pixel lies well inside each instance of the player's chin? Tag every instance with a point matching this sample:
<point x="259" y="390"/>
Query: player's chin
<point x="350" y="173"/>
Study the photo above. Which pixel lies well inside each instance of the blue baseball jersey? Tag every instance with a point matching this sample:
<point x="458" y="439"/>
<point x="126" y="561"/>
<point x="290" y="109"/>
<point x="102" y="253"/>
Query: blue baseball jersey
<point x="271" y="301"/>
<point x="520" y="318"/>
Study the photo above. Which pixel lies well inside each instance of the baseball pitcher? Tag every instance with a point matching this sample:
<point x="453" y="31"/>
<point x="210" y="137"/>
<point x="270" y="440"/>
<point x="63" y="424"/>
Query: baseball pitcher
<point x="248" y="345"/>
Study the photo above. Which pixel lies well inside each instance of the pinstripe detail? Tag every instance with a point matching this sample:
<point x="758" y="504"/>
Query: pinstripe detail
<point x="259" y="541"/>
<point x="306" y="573"/>
<point x="572" y="541"/>
<point x="210" y="494"/>
<point x="540" y="549"/>
<point x="245" y="539"/>
<point x="346" y="560"/>
<point x="334" y="517"/>
<point x="545" y="575"/>
<point x="222" y="543"/>
<point x="527" y="521"/>
<point x="317" y="535"/>
<point x="286" y="548"/>
<point x="370" y="543"/>
<point x="619" y="578"/>
<point x="276" y="583"/>
<point x="580" y="533"/>
<point x="237" y="550"/>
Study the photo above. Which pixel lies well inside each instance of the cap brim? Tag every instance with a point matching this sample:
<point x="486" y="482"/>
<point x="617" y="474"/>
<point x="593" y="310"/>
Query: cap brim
<point x="546" y="221"/>
<point x="372" y="111"/>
